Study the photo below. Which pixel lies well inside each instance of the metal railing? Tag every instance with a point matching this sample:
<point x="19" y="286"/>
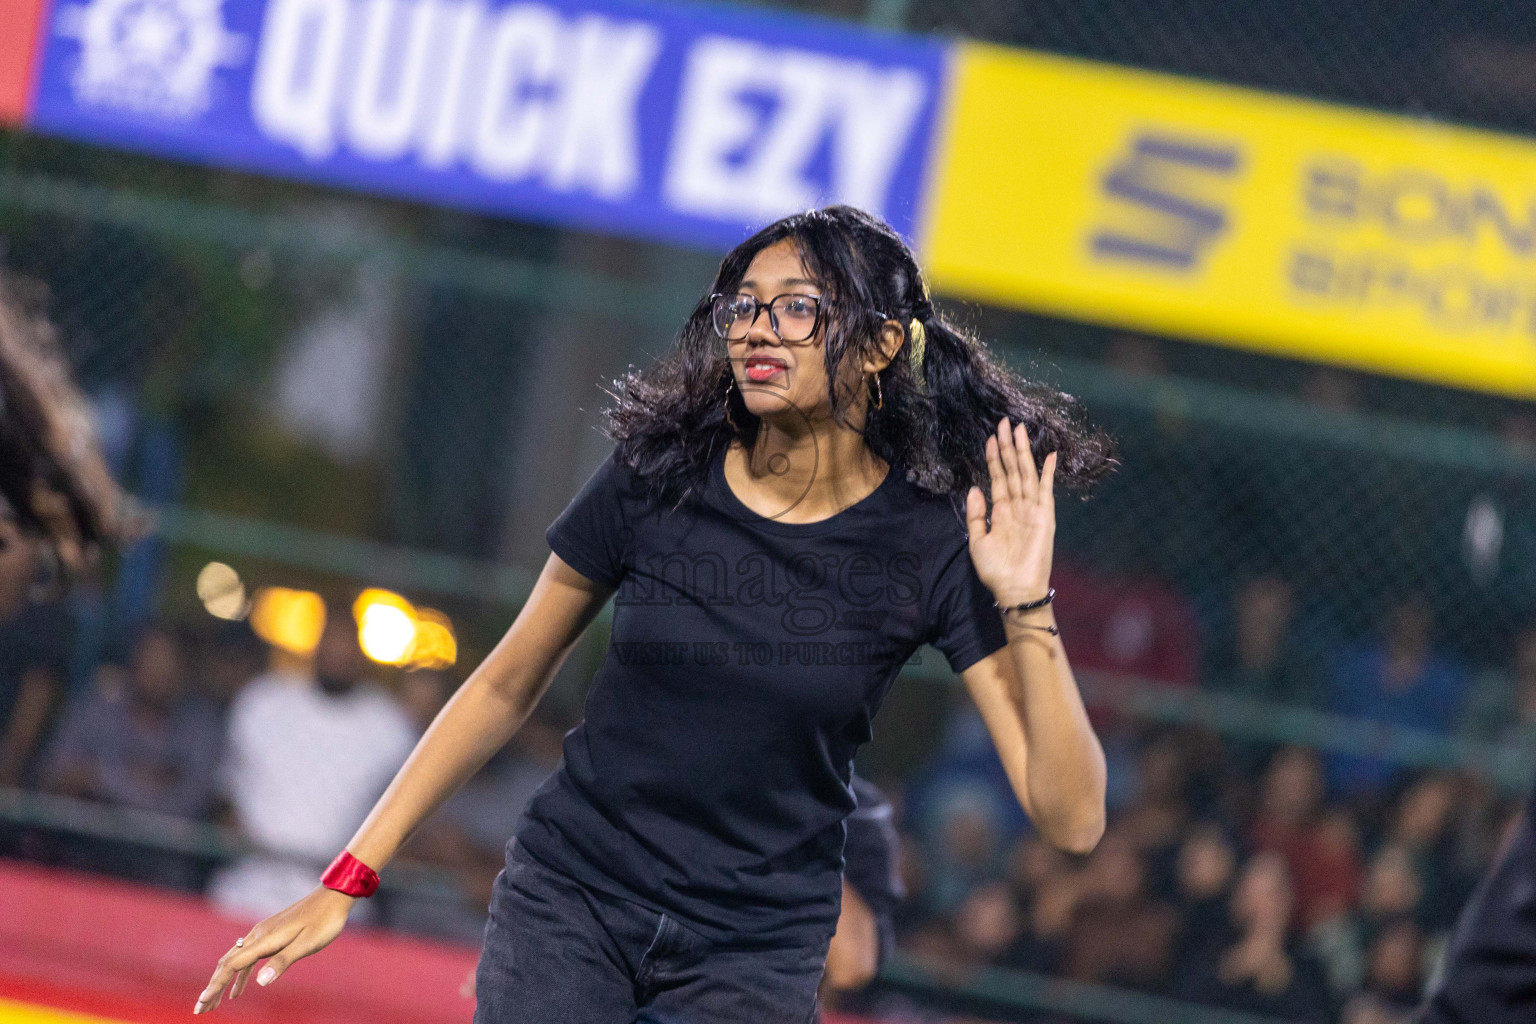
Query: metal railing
<point x="1231" y="715"/>
<point x="1007" y="991"/>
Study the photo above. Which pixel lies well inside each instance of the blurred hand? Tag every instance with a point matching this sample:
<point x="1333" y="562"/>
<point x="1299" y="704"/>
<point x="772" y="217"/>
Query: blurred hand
<point x="467" y="986"/>
<point x="1013" y="556"/>
<point x="306" y="927"/>
<point x="1259" y="960"/>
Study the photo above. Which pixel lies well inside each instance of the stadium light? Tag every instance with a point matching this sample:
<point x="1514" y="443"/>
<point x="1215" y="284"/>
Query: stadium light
<point x="386" y="626"/>
<point x="222" y="592"/>
<point x="291" y="620"/>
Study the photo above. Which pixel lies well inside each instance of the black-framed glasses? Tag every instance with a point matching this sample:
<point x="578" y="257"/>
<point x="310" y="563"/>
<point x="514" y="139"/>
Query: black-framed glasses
<point x="792" y="316"/>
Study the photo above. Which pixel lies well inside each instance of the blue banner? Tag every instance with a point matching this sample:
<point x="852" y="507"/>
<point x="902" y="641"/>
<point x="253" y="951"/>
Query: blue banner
<point x="684" y="124"/>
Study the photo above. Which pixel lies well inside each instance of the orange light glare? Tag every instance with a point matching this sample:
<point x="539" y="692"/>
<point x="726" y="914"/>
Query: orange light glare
<point x="435" y="646"/>
<point x="291" y="620"/>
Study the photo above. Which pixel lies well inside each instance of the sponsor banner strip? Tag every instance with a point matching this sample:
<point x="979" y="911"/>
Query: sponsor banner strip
<point x="1291" y="227"/>
<point x="681" y="124"/>
<point x="1084" y="190"/>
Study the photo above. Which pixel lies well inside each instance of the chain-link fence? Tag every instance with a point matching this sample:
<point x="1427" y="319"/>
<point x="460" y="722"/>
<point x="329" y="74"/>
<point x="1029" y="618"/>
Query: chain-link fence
<point x="1468" y="61"/>
<point x="1299" y="512"/>
<point x="337" y="392"/>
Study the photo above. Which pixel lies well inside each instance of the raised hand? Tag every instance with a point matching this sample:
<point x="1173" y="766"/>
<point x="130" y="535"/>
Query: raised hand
<point x="1013" y="556"/>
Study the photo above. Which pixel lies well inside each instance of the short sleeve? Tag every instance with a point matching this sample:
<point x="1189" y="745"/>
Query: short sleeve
<point x="590" y="535"/>
<point x="966" y="625"/>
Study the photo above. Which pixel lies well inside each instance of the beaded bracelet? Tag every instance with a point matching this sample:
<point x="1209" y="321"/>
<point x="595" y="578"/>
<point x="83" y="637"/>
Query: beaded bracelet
<point x="1050" y="594"/>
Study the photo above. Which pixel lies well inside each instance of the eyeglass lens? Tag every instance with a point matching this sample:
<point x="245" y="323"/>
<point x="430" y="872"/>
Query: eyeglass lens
<point x="792" y="317"/>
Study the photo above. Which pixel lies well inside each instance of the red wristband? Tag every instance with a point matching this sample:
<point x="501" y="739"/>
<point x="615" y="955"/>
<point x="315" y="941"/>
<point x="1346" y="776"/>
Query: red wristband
<point x="349" y="875"/>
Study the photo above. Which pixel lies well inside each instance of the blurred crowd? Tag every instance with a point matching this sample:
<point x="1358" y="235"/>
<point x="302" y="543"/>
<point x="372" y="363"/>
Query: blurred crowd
<point x="1273" y="879"/>
<point x="203" y="722"/>
<point x="1261" y="894"/>
<point x="1282" y="880"/>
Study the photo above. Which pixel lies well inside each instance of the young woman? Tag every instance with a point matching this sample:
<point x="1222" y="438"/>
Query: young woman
<point x="794" y="505"/>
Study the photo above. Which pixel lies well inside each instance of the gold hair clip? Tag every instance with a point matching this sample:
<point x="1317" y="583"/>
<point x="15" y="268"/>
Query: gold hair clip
<point x="919" y="346"/>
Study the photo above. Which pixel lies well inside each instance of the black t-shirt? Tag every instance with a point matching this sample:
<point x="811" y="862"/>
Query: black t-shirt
<point x="711" y="774"/>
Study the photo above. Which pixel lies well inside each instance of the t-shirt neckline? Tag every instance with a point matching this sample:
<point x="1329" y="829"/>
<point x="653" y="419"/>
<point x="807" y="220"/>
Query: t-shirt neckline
<point x="874" y="501"/>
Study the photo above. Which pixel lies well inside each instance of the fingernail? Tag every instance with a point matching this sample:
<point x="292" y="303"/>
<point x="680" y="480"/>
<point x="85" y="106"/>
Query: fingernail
<point x="266" y="976"/>
<point x="199" y="1007"/>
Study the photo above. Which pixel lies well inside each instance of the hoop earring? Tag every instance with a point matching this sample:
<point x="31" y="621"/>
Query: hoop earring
<point x="879" y="392"/>
<point x="728" y="388"/>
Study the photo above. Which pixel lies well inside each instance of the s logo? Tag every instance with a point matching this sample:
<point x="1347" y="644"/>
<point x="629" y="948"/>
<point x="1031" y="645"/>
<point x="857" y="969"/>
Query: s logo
<point x="1165" y="195"/>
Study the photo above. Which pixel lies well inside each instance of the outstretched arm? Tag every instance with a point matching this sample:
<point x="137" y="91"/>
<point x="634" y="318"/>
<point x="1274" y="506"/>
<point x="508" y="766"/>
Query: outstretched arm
<point x="1026" y="692"/>
<point x="480" y="717"/>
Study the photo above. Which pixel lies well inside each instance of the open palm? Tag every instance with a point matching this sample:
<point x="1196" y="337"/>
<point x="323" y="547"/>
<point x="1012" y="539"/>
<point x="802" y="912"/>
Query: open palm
<point x="1013" y="556"/>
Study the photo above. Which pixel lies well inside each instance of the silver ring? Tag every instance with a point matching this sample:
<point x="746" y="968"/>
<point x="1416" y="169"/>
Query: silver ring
<point x="240" y="941"/>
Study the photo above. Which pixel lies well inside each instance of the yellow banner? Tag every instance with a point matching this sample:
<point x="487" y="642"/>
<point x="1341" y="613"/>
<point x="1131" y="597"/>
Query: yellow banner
<point x="1291" y="227"/>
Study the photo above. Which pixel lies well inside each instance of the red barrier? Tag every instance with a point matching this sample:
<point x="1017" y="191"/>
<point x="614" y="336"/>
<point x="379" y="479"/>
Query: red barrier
<point x="81" y="942"/>
<point x="113" y="949"/>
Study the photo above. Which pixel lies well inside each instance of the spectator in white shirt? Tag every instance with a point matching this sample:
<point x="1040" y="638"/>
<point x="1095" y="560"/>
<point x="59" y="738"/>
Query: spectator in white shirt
<point x="306" y="758"/>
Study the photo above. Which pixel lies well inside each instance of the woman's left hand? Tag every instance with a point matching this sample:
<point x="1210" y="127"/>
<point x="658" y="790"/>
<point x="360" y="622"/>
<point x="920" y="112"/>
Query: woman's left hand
<point x="1013" y="557"/>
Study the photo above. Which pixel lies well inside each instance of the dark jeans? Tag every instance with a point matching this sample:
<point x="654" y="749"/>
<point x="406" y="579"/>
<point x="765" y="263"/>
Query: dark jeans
<point x="558" y="953"/>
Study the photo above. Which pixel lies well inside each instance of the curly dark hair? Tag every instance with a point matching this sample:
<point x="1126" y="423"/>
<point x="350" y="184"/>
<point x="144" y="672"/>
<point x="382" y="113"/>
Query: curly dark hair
<point x="53" y="480"/>
<point x="669" y="419"/>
